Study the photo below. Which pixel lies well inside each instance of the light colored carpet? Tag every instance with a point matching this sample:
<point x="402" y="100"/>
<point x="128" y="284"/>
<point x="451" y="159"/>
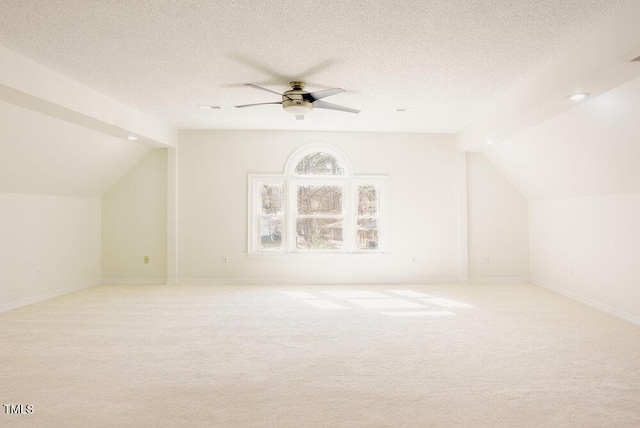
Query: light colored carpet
<point x="213" y="356"/>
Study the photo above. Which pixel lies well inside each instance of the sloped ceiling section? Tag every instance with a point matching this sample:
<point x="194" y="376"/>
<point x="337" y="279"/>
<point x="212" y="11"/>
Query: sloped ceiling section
<point x="445" y="58"/>
<point x="43" y="155"/>
<point x="596" y="63"/>
<point x="592" y="149"/>
<point x="31" y="85"/>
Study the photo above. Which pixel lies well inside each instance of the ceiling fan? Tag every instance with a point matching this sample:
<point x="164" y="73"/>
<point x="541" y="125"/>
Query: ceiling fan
<point x="300" y="102"/>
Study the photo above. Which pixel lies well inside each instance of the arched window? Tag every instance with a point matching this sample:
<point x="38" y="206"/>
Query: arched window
<point x="319" y="163"/>
<point x="318" y="205"/>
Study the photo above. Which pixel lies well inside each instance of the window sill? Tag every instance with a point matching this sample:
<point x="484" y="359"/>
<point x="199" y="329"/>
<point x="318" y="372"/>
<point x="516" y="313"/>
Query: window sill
<point x="316" y="256"/>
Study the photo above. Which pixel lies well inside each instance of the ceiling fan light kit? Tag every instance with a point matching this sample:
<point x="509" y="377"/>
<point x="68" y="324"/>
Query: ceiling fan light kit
<point x="299" y="102"/>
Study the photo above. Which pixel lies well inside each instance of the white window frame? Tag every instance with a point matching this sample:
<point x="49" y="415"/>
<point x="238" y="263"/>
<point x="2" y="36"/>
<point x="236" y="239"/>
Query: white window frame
<point x="255" y="200"/>
<point x="290" y="180"/>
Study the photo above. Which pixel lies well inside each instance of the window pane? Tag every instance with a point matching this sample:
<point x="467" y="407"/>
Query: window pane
<point x="367" y="229"/>
<point x="319" y="163"/>
<point x="319" y="200"/>
<point x="271" y="197"/>
<point x="319" y="233"/>
<point x="367" y="200"/>
<point x="270" y="233"/>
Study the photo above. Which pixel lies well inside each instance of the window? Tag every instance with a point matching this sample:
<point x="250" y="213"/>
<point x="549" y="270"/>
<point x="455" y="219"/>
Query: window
<point x="271" y="216"/>
<point x="367" y="217"/>
<point x="319" y="216"/>
<point x="317" y="206"/>
<point x="319" y="163"/>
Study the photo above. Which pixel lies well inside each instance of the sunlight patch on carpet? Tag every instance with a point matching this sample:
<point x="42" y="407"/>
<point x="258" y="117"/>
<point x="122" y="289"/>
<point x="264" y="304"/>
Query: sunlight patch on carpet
<point x="299" y="294"/>
<point x="447" y="303"/>
<point x="408" y="293"/>
<point x="356" y="294"/>
<point x="324" y="304"/>
<point x="419" y="313"/>
<point x="385" y="303"/>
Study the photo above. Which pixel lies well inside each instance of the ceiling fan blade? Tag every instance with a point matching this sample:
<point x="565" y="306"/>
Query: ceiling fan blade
<point x="262" y="89"/>
<point x="329" y="106"/>
<point x="326" y="93"/>
<point x="299" y="116"/>
<point x="265" y="89"/>
<point x="258" y="104"/>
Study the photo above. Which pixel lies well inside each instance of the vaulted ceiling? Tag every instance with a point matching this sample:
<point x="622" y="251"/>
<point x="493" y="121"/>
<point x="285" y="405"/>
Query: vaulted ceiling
<point x="448" y="59"/>
<point x="592" y="149"/>
<point x="80" y="76"/>
<point x="43" y="155"/>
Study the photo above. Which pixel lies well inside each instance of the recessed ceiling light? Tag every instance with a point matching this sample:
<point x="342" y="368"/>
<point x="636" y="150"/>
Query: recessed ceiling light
<point x="132" y="138"/>
<point x="406" y="110"/>
<point x="579" y="96"/>
<point x="207" y="107"/>
<point x="489" y="142"/>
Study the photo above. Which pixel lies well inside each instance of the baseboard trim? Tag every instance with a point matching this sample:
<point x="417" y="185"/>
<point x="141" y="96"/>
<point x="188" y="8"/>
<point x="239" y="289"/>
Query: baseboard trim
<point x="46" y="296"/>
<point x="634" y="319"/>
<point x="134" y="281"/>
<point x="499" y="280"/>
<point x="281" y="281"/>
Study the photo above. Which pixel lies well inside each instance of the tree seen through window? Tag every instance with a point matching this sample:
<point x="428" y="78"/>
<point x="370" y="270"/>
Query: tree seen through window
<point x="319" y="163"/>
<point x="317" y="206"/>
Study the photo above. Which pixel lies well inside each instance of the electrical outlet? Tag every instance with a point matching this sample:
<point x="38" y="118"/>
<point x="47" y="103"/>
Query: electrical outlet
<point x="146" y="260"/>
<point x="225" y="261"/>
<point x="39" y="272"/>
<point x="571" y="272"/>
<point x="414" y="260"/>
<point x="486" y="260"/>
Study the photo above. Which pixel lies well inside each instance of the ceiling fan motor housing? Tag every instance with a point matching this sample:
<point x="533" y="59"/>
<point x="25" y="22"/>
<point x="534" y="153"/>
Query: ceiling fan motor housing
<point x="294" y="102"/>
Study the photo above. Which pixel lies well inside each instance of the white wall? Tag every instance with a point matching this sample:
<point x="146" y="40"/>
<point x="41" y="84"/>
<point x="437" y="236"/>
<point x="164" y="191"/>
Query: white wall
<point x="52" y="175"/>
<point x="57" y="234"/>
<point x="134" y="222"/>
<point x="580" y="172"/>
<point x="212" y="206"/>
<point x="599" y="238"/>
<point x="498" y="224"/>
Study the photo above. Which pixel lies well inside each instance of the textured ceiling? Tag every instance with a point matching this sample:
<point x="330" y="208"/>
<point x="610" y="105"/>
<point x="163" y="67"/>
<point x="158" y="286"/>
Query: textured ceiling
<point x="447" y="58"/>
<point x="592" y="149"/>
<point x="42" y="155"/>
